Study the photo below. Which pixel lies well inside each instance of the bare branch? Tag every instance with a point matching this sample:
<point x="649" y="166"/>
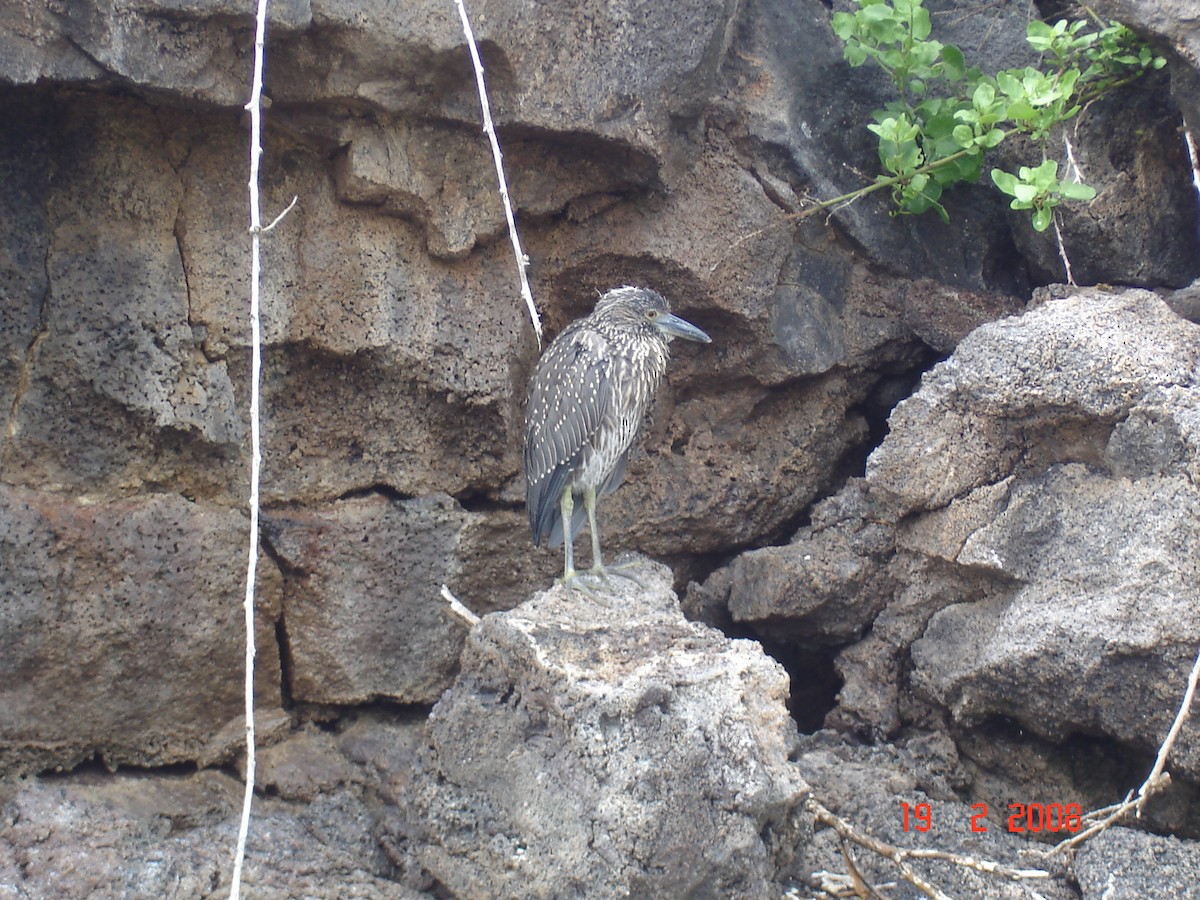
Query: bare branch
<point x="1062" y="250"/>
<point x="459" y="609"/>
<point x="255" y="107"/>
<point x="901" y="856"/>
<point x="490" y="130"/>
<point x="1157" y="781"/>
<point x="277" y="219"/>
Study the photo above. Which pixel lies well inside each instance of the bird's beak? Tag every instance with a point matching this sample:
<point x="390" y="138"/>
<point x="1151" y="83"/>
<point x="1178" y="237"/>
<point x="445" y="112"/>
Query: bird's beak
<point x="673" y="326"/>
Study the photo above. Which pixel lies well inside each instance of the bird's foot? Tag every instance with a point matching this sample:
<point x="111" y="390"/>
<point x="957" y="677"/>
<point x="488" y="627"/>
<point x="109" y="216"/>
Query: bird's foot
<point x="577" y="581"/>
<point x="620" y="570"/>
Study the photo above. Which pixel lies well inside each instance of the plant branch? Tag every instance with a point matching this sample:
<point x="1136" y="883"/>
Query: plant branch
<point x="841" y="200"/>
<point x="1157" y="781"/>
<point x="255" y="108"/>
<point x="490" y="130"/>
<point x="900" y="857"/>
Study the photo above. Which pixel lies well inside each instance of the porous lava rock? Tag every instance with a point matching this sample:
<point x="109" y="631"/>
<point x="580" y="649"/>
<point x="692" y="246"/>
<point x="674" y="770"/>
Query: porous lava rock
<point x="605" y="745"/>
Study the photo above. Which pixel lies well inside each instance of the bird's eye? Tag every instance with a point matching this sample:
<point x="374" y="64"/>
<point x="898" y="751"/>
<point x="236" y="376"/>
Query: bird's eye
<point x="652" y="314"/>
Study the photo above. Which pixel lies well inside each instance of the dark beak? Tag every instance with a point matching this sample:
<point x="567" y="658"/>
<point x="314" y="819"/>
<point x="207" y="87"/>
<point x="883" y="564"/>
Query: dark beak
<point x="673" y="326"/>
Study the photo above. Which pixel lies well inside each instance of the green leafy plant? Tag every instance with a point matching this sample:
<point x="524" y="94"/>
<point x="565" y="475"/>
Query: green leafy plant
<point x="946" y="115"/>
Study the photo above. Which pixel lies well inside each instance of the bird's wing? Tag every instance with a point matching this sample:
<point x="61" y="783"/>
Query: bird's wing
<point x="568" y="397"/>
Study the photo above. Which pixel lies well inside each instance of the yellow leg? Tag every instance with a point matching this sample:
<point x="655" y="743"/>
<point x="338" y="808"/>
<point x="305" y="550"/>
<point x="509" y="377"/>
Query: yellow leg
<point x="589" y="503"/>
<point x="566" y="507"/>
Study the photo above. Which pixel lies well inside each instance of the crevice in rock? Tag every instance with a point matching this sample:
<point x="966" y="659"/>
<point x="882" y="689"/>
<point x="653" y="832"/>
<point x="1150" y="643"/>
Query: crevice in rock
<point x="286" y="700"/>
<point x="287" y="571"/>
<point x="1009" y="764"/>
<point x="24" y="380"/>
<point x="481" y="501"/>
<point x="178" y="231"/>
<point x="379" y="489"/>
<point x="814" y="680"/>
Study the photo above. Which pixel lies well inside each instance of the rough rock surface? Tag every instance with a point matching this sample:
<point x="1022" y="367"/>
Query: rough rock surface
<point x="158" y="836"/>
<point x="867" y="786"/>
<point x="603" y="746"/>
<point x="114" y="614"/>
<point x="1123" y="864"/>
<point x="643" y="142"/>
<point x="1020" y="548"/>
<point x="362" y="614"/>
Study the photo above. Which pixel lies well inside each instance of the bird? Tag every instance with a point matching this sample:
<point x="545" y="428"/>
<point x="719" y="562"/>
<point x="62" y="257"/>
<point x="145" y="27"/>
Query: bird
<point x="587" y="399"/>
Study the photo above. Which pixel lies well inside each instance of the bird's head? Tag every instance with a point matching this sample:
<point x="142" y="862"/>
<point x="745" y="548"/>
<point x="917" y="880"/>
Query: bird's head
<point x="647" y="311"/>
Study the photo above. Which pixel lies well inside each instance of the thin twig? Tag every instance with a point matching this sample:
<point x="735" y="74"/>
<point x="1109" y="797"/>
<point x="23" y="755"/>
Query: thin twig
<point x="279" y="218"/>
<point x="490" y="130"/>
<point x="1160" y="763"/>
<point x="862" y="887"/>
<point x="458" y="608"/>
<point x="255" y="108"/>
<point x="1158" y="780"/>
<point x="847" y="831"/>
<point x="901" y="856"/>
<point x="1190" y="140"/>
<point x="1077" y="173"/>
<point x="1062" y="249"/>
<point x="842" y="200"/>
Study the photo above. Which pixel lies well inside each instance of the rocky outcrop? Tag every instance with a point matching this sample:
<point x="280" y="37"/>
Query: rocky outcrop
<point x="606" y="745"/>
<point x="1035" y="501"/>
<point x="645" y="143"/>
<point x="106" y="642"/>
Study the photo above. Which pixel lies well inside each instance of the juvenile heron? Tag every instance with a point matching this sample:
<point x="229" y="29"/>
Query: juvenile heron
<point x="587" y="399"/>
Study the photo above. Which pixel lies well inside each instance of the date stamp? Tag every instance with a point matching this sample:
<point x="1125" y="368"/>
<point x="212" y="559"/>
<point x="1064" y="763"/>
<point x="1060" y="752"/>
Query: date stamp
<point x="1023" y="818"/>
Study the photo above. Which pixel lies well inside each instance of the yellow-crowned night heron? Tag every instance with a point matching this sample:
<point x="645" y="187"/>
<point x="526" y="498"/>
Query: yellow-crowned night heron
<point x="587" y="399"/>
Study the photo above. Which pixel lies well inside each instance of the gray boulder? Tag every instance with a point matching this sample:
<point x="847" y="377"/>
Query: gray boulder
<point x="601" y="746"/>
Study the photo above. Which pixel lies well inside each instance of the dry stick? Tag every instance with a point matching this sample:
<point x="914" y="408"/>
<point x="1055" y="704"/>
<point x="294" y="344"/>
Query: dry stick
<point x="459" y="609"/>
<point x="1191" y="145"/>
<point x="1157" y="781"/>
<point x="256" y="232"/>
<point x="1062" y="247"/>
<point x="900" y="856"/>
<point x="1062" y="250"/>
<point x="861" y="886"/>
<point x="490" y="130"/>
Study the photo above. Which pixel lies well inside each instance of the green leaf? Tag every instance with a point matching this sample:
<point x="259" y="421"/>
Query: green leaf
<point x="1044" y="175"/>
<point x="1075" y="190"/>
<point x="1026" y="193"/>
<point x="855" y="54"/>
<point x="984" y="96"/>
<point x="1041" y="218"/>
<point x="1039" y="35"/>
<point x="1006" y="181"/>
<point x="955" y="64"/>
<point x="991" y="139"/>
<point x="964" y="135"/>
<point x="1010" y="84"/>
<point x="921" y="27"/>
<point x="843" y="25"/>
<point x="1021" y="111"/>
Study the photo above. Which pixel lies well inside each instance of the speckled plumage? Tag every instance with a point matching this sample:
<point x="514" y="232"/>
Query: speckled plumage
<point x="587" y="399"/>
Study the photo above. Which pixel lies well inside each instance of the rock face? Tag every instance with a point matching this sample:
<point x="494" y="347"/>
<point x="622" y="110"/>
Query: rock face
<point x="105" y="642"/>
<point x="1025" y="554"/>
<point x="608" y="746"/>
<point x="978" y="579"/>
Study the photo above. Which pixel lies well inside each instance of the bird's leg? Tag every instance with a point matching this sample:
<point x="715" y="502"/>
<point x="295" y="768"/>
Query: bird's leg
<point x="566" y="507"/>
<point x="571" y="579"/>
<point x="598" y="567"/>
<point x="589" y="503"/>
